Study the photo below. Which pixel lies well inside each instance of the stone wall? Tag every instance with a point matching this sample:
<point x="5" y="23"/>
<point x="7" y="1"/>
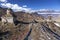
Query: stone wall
<point x="7" y="19"/>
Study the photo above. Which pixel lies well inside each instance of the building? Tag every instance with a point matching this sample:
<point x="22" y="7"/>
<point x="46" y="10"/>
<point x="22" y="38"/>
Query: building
<point x="7" y="18"/>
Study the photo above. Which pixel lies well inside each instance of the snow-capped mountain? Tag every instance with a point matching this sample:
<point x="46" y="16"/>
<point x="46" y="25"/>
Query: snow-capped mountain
<point x="48" y="11"/>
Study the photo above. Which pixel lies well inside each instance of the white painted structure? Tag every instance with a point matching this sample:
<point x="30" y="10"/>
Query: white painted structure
<point x="7" y="18"/>
<point x="3" y="19"/>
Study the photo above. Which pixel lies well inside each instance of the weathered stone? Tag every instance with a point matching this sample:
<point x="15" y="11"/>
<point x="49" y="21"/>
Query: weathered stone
<point x="30" y="27"/>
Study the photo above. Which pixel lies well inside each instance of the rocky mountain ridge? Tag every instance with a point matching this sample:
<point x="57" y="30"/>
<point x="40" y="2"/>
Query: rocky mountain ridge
<point x="29" y="27"/>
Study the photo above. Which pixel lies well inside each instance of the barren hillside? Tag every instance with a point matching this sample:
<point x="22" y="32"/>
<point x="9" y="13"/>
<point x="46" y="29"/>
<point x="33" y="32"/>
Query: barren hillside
<point x="29" y="27"/>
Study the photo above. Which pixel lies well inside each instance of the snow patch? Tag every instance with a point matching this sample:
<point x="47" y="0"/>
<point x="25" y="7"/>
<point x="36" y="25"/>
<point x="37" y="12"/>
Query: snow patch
<point x="57" y="24"/>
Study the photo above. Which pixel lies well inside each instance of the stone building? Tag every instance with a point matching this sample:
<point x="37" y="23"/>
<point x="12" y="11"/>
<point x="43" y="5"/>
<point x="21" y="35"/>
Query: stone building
<point x="7" y="18"/>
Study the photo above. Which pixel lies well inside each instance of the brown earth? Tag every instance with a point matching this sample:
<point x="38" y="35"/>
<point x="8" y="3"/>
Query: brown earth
<point x="30" y="27"/>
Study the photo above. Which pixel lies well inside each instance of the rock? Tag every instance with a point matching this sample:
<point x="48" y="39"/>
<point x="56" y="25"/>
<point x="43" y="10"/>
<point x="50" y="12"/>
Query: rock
<point x="29" y="27"/>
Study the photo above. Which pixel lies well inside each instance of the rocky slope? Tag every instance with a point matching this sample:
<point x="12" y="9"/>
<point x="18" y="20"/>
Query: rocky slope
<point x="29" y="27"/>
<point x="31" y="31"/>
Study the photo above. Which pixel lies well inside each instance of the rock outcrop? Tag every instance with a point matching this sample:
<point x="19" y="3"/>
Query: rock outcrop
<point x="29" y="27"/>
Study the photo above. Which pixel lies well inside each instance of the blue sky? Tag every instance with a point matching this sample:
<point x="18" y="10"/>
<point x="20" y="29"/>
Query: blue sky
<point x="35" y="4"/>
<point x="38" y="4"/>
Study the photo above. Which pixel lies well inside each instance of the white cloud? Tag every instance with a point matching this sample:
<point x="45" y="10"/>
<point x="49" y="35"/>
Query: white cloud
<point x="3" y="0"/>
<point x="8" y="5"/>
<point x="24" y="5"/>
<point x="15" y="7"/>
